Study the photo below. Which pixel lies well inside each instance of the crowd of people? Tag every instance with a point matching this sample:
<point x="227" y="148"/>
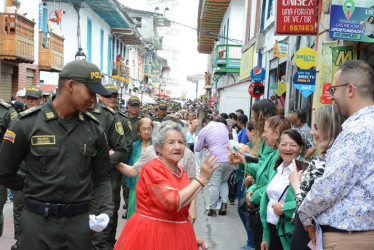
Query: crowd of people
<point x="67" y="160"/>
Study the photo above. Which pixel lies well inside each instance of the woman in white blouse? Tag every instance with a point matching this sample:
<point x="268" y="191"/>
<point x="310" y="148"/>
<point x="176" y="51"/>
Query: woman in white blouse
<point x="279" y="204"/>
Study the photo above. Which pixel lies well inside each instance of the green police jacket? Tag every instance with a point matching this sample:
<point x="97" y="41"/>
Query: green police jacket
<point x="265" y="171"/>
<point x="289" y="207"/>
<point x="7" y="114"/>
<point x="61" y="166"/>
<point x="263" y="152"/>
<point x="129" y="127"/>
<point x="113" y="130"/>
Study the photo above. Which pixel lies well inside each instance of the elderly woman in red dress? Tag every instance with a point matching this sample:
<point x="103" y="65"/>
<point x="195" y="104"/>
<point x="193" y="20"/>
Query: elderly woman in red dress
<point x="163" y="195"/>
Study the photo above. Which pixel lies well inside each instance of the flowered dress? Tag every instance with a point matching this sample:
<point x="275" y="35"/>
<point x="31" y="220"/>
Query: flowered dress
<point x="159" y="222"/>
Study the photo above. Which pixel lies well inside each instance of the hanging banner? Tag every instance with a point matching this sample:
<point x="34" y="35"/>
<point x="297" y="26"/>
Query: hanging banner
<point x="279" y="87"/>
<point x="306" y="58"/>
<point x="258" y="74"/>
<point x="246" y="63"/>
<point x="341" y="54"/>
<point x="350" y="22"/>
<point x="280" y="49"/>
<point x="326" y="97"/>
<point x="256" y="89"/>
<point x="296" y="17"/>
<point x="325" y="73"/>
<point x="304" y="81"/>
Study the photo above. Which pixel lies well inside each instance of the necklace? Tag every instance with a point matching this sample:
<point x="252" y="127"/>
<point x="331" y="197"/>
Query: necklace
<point x="146" y="144"/>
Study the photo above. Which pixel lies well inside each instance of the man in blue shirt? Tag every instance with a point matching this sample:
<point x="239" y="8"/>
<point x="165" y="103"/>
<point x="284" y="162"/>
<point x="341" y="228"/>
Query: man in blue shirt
<point x="242" y="122"/>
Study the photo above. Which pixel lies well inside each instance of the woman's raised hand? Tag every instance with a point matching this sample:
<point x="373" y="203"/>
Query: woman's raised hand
<point x="208" y="167"/>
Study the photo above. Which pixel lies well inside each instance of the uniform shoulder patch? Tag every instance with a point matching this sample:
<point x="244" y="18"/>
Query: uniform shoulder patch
<point x="110" y="109"/>
<point x="29" y="111"/>
<point x="88" y="114"/>
<point x="6" y="105"/>
<point x="119" y="128"/>
<point x="13" y="115"/>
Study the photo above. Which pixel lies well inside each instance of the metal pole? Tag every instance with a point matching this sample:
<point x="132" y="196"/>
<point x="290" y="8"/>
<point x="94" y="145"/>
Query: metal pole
<point x="197" y="88"/>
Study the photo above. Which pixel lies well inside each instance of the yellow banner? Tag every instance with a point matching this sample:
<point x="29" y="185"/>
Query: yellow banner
<point x="246" y="64"/>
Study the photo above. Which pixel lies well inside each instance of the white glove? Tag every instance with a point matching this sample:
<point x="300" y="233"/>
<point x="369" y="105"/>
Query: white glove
<point x="98" y="223"/>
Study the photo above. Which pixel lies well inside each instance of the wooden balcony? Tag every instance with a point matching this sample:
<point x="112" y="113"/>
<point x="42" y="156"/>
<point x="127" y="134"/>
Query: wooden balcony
<point x="227" y="58"/>
<point x="51" y="51"/>
<point x="16" y="38"/>
<point x="122" y="72"/>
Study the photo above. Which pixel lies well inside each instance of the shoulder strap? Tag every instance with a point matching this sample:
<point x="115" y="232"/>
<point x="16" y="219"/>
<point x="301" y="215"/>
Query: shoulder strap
<point x="284" y="191"/>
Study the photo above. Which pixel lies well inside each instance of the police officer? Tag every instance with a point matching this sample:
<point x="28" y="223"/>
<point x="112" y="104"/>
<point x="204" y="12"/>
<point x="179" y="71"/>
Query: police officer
<point x="33" y="98"/>
<point x="114" y="132"/>
<point x="66" y="161"/>
<point x="129" y="121"/>
<point x="162" y="107"/>
<point x="7" y="114"/>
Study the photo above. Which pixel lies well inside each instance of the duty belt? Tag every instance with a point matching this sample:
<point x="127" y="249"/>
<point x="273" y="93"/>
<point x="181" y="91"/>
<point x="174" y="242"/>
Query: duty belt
<point x="55" y="209"/>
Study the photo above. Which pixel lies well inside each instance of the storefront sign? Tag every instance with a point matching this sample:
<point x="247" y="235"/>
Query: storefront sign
<point x="296" y="17"/>
<point x="306" y="58"/>
<point x="304" y="81"/>
<point x="326" y="97"/>
<point x="256" y="89"/>
<point x="341" y="54"/>
<point x="279" y="87"/>
<point x="246" y="63"/>
<point x="280" y="49"/>
<point x="258" y="74"/>
<point x="349" y="22"/>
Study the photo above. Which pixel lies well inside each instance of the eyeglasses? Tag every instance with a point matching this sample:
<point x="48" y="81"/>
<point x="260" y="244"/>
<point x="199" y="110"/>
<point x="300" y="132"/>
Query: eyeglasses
<point x="146" y="129"/>
<point x="332" y="89"/>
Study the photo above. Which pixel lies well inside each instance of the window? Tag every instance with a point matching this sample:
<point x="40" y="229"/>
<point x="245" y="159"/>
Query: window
<point x="89" y="40"/>
<point x="109" y="55"/>
<point x="101" y="50"/>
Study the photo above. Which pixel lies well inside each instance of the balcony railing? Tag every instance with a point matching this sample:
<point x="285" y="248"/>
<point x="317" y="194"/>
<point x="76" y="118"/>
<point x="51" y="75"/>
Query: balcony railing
<point x="228" y="58"/>
<point x="16" y="38"/>
<point x="122" y="72"/>
<point x="51" y="51"/>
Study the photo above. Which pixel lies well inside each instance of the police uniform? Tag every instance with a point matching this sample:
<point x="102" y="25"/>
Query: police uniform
<point x="18" y="197"/>
<point x="66" y="163"/>
<point x="7" y="113"/>
<point x="114" y="132"/>
<point x="157" y="118"/>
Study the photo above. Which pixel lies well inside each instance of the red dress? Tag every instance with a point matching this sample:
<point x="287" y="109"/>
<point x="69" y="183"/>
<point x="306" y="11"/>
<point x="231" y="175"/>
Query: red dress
<point x="159" y="222"/>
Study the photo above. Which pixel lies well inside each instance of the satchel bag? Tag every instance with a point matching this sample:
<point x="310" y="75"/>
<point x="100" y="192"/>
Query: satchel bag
<point x="243" y="206"/>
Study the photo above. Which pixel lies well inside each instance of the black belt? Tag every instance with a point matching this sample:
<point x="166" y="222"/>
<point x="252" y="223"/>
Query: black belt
<point x="329" y="229"/>
<point x="58" y="210"/>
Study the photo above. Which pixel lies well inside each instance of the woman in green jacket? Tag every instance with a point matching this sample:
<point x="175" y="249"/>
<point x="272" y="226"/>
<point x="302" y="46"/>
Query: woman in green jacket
<point x="274" y="126"/>
<point x="278" y="202"/>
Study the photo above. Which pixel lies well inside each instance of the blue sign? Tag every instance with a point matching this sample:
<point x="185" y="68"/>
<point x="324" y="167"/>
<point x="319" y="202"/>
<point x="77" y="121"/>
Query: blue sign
<point x="258" y="74"/>
<point x="350" y="22"/>
<point x="305" y="81"/>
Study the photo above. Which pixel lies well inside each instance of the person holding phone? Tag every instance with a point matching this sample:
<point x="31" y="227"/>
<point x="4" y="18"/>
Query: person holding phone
<point x="278" y="202"/>
<point x="326" y="127"/>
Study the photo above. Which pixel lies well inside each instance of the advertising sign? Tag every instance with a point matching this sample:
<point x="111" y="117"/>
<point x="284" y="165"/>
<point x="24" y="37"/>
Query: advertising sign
<point x="349" y="22"/>
<point x="341" y="54"/>
<point x="279" y="87"/>
<point x="246" y="63"/>
<point x="306" y="58"/>
<point x="326" y="97"/>
<point x="256" y="89"/>
<point x="296" y="17"/>
<point x="304" y="81"/>
<point x="280" y="49"/>
<point x="258" y="74"/>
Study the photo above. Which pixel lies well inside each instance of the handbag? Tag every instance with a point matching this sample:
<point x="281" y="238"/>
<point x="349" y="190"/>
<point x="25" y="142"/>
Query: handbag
<point x="232" y="186"/>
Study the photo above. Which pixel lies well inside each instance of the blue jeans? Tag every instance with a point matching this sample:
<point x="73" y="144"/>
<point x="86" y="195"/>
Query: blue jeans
<point x="243" y="217"/>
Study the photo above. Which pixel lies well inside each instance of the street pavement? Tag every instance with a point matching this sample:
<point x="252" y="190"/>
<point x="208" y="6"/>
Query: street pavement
<point x="222" y="232"/>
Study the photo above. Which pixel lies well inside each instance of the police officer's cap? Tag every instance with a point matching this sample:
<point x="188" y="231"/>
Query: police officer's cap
<point x="111" y="88"/>
<point x="87" y="73"/>
<point x="134" y="100"/>
<point x="163" y="106"/>
<point x="34" y="91"/>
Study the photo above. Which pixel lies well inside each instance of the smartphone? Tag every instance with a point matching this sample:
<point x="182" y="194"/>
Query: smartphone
<point x="236" y="150"/>
<point x="300" y="165"/>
